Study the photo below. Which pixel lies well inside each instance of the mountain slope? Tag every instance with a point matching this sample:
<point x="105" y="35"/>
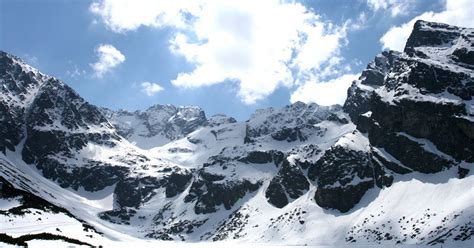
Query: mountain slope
<point x="157" y="125"/>
<point x="393" y="165"/>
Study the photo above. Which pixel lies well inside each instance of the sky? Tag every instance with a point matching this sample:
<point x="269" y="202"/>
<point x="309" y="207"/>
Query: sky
<point x="226" y="56"/>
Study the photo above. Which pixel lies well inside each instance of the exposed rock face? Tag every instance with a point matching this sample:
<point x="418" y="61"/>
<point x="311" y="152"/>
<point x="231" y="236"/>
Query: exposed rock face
<point x="132" y="192"/>
<point x="428" y="37"/>
<point x="260" y="157"/>
<point x="210" y="191"/>
<point x="220" y="119"/>
<point x="420" y="112"/>
<point x="290" y="182"/>
<point x="27" y="199"/>
<point x="343" y="175"/>
<point x="54" y="122"/>
<point x="18" y="83"/>
<point x="292" y="123"/>
<point x="359" y="94"/>
<point x="72" y="143"/>
<point x="415" y="108"/>
<point x="59" y="124"/>
<point x="159" y="124"/>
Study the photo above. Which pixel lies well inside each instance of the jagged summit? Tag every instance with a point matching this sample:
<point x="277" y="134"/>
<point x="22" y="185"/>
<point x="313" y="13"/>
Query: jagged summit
<point x="450" y="45"/>
<point x="157" y="125"/>
<point x="403" y="98"/>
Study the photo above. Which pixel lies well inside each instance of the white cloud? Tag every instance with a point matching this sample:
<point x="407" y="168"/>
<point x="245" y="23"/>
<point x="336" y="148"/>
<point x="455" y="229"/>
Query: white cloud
<point x="128" y="15"/>
<point x="377" y="4"/>
<point x="109" y="58"/>
<point x="75" y="73"/>
<point x="456" y="12"/>
<point x="359" y="23"/>
<point x="261" y="45"/>
<point x="396" y="7"/>
<point x="150" y="88"/>
<point x="324" y="93"/>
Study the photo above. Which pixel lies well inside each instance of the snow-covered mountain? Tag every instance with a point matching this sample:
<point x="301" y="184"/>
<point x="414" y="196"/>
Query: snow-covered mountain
<point x="393" y="165"/>
<point x="158" y="125"/>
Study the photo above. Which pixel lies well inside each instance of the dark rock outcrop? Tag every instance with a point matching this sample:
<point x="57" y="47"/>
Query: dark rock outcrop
<point x="214" y="191"/>
<point x="18" y="84"/>
<point x="290" y="182"/>
<point x="419" y="98"/>
<point x="343" y="175"/>
<point x="263" y="157"/>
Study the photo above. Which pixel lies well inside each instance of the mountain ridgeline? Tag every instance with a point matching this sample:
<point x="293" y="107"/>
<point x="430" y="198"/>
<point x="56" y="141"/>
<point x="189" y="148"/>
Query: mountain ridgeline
<point x="172" y="173"/>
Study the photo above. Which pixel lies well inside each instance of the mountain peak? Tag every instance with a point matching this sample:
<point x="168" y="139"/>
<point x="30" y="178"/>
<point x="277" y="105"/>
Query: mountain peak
<point x="432" y="34"/>
<point x="443" y="42"/>
<point x="158" y="124"/>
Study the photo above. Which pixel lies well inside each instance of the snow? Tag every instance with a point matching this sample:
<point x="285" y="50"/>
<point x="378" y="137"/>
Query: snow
<point x="355" y="141"/>
<point x="397" y="200"/>
<point x="442" y="193"/>
<point x="389" y="157"/>
<point x="52" y="243"/>
<point x="27" y="178"/>
<point x="210" y="142"/>
<point x="367" y="114"/>
<point x="23" y="99"/>
<point x="261" y="230"/>
<point x="102" y="200"/>
<point x="137" y="130"/>
<point x="441" y="54"/>
<point x="219" y="119"/>
<point x="355" y="181"/>
<point x="271" y="119"/>
<point x="58" y="126"/>
<point x="40" y="221"/>
<point x="155" y="126"/>
<point x="414" y="94"/>
<point x="146" y="142"/>
<point x="220" y="244"/>
<point x="364" y="87"/>
<point x="427" y="145"/>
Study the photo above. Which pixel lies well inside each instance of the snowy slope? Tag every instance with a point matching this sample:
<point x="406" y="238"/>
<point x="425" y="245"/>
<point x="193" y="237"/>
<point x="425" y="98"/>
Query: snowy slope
<point x="157" y="125"/>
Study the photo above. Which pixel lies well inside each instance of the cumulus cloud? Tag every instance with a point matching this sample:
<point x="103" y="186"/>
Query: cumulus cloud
<point x="109" y="58"/>
<point x="456" y="12"/>
<point x="126" y="15"/>
<point x="260" y="45"/>
<point x="396" y="7"/>
<point x="324" y="93"/>
<point x="150" y="89"/>
<point x="377" y="4"/>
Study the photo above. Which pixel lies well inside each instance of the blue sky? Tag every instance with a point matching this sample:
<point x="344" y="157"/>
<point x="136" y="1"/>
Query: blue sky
<point x="227" y="57"/>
